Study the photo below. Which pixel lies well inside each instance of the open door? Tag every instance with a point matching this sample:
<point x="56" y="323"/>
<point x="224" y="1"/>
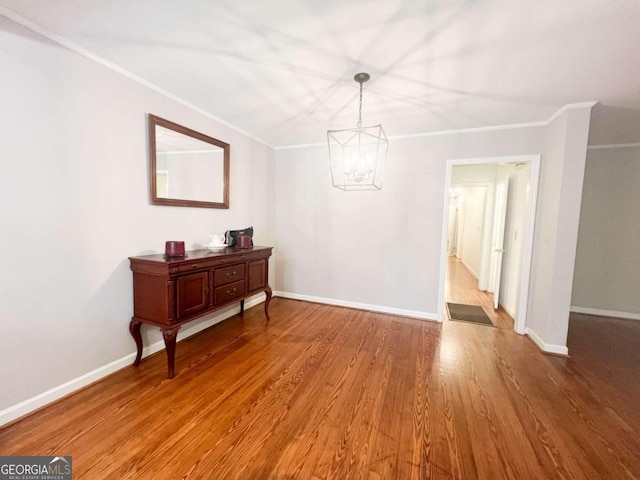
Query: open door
<point x="500" y="215"/>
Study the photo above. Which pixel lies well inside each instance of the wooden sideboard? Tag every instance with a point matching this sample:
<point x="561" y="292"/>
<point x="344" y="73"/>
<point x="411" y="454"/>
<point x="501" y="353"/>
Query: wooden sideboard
<point x="171" y="291"/>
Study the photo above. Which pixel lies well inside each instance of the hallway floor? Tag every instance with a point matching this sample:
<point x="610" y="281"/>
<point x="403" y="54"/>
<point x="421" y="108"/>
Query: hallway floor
<point x="462" y="287"/>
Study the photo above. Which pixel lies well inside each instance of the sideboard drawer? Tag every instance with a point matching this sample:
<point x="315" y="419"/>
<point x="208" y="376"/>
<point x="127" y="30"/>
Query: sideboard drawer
<point x="225" y="275"/>
<point x="196" y="265"/>
<point x="228" y="292"/>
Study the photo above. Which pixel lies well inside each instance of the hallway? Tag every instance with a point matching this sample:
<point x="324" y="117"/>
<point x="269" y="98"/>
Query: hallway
<point x="462" y="287"/>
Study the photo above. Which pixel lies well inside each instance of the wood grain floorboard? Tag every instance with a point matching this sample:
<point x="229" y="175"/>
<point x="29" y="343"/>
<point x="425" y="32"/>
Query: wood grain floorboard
<point x="324" y="392"/>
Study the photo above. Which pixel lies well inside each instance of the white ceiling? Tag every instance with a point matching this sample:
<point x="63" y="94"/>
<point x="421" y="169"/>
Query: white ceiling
<point x="282" y="70"/>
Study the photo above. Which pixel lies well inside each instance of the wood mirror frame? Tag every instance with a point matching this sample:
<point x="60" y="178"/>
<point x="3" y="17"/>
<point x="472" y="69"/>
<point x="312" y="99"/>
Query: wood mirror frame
<point x="219" y="180"/>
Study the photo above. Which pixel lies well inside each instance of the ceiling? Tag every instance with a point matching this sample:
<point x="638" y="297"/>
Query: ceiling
<point x="283" y="70"/>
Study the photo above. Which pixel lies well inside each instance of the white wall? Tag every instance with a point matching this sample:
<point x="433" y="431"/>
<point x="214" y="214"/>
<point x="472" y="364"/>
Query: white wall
<point x="557" y="219"/>
<point x="607" y="275"/>
<point x="75" y="205"/>
<point x="370" y="247"/>
<point x="472" y="213"/>
<point x="383" y="248"/>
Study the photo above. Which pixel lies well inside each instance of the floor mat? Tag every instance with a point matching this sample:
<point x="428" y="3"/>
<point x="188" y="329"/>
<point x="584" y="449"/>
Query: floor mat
<point x="468" y="313"/>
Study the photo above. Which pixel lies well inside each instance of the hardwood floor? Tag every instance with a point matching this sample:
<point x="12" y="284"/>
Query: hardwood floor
<point x="325" y="392"/>
<point x="462" y="287"/>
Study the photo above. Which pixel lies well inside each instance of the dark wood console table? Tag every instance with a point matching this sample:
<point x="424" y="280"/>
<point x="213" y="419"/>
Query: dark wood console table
<point x="171" y="291"/>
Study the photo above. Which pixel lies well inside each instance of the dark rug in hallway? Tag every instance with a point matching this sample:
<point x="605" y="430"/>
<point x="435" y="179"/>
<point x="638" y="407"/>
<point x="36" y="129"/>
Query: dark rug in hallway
<point x="468" y="313"/>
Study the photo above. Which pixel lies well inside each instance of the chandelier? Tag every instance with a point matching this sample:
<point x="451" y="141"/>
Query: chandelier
<point x="357" y="155"/>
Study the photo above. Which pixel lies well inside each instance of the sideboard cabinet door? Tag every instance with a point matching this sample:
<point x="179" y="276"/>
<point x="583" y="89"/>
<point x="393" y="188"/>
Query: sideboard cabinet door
<point x="257" y="274"/>
<point x="192" y="294"/>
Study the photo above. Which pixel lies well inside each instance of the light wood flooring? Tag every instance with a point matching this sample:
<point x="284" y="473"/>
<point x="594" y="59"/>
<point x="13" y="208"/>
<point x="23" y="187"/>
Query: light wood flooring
<point x="462" y="287"/>
<point x="325" y="392"/>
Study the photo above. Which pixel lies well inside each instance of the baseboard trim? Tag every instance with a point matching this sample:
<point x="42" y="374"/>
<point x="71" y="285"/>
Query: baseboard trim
<point x="360" y="306"/>
<point x="509" y="311"/>
<point x="614" y="145"/>
<point x="605" y="313"/>
<point x="547" y="347"/>
<point x="469" y="269"/>
<point x="30" y="405"/>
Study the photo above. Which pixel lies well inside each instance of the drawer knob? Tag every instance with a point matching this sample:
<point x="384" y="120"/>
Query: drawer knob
<point x="233" y="274"/>
<point x="231" y="292"/>
<point x="195" y="265"/>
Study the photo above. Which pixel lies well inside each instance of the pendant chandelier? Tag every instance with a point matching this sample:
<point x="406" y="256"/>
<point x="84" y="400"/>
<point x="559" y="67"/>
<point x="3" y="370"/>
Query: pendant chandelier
<point x="357" y="155"/>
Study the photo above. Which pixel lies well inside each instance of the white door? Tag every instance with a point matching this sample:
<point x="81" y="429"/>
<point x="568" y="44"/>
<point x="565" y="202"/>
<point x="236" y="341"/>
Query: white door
<point x="500" y="214"/>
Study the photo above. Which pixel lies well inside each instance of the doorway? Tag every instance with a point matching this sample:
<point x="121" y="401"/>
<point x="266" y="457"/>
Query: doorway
<point x="487" y="241"/>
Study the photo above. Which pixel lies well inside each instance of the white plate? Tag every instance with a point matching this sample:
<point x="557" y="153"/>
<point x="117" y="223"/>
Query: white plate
<point x="217" y="247"/>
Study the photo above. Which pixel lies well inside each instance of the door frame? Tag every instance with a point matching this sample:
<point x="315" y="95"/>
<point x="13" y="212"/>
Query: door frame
<point x="520" y="323"/>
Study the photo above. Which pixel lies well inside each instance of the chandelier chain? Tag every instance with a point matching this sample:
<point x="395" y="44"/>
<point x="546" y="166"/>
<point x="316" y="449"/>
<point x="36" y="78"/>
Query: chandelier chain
<point x="360" y="109"/>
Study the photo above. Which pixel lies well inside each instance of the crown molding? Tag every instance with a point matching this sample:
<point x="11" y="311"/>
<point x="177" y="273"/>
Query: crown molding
<point x="570" y="106"/>
<point x="120" y="70"/>
<point x="493" y="128"/>
<point x="303" y="145"/>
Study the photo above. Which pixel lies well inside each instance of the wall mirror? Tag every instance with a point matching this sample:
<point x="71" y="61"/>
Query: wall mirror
<point x="187" y="168"/>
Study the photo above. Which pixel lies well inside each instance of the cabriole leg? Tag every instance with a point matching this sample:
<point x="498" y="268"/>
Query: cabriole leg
<point x="134" y="328"/>
<point x="266" y="302"/>
<point x="170" y="346"/>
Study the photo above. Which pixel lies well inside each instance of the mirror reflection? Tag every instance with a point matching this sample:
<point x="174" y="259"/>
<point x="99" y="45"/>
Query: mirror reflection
<point x="188" y="168"/>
